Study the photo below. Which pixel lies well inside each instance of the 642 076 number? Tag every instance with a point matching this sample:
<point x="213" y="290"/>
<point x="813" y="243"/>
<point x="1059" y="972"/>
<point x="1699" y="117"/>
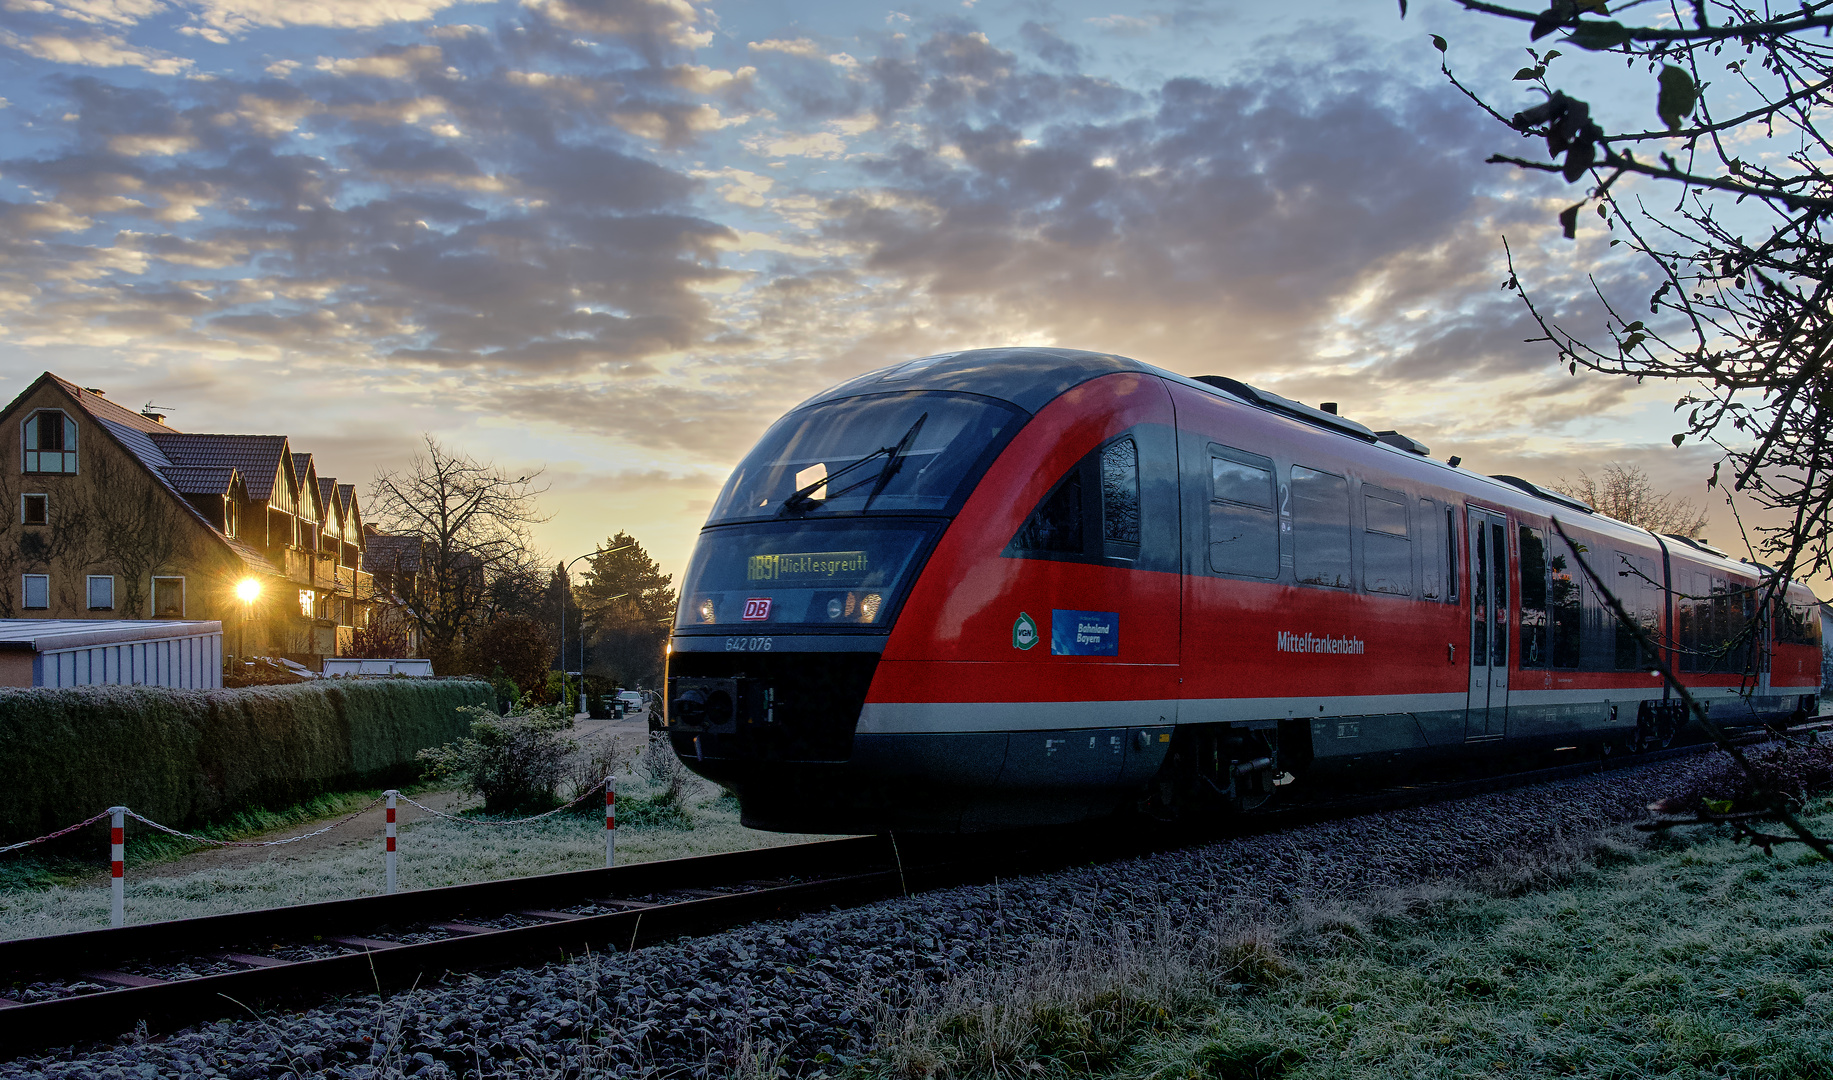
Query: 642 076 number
<point x="750" y="644"/>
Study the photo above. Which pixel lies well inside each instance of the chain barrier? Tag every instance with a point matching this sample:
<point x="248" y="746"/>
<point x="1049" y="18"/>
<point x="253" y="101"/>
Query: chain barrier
<point x="65" y="831"/>
<point x="582" y="797"/>
<point x="118" y="814"/>
<point x="167" y="829"/>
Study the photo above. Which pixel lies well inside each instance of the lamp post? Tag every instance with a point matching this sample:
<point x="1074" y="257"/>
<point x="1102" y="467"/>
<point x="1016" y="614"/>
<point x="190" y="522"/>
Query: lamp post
<point x="566" y="577"/>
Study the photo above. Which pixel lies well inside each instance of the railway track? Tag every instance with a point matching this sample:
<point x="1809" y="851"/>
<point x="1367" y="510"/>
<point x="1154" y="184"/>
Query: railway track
<point x="72" y="988"/>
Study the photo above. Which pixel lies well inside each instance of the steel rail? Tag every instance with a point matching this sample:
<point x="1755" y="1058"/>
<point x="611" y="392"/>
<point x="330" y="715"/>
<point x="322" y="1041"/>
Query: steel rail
<point x="775" y="882"/>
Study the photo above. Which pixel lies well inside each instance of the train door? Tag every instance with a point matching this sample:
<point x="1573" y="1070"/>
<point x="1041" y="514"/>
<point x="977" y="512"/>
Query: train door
<point x="1765" y="634"/>
<point x="1490" y="572"/>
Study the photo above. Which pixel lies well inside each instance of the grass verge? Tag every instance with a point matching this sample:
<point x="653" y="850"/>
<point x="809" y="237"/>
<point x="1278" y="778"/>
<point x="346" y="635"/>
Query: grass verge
<point x="1682" y="957"/>
<point x="670" y="820"/>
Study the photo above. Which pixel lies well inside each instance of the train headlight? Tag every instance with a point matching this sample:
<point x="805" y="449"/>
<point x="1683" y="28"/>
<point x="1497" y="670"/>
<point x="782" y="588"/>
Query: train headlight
<point x="835" y="608"/>
<point x="706" y="611"/>
<point x="868" y="607"/>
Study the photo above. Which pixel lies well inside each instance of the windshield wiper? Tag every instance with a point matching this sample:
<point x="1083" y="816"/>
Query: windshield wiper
<point x="895" y="460"/>
<point x="800" y="500"/>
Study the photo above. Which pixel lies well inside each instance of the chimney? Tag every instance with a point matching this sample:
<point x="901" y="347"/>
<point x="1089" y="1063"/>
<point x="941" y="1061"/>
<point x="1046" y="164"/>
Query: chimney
<point x="95" y="390"/>
<point x="155" y="413"/>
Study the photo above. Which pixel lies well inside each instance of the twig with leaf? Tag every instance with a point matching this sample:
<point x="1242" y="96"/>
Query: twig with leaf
<point x="1773" y="804"/>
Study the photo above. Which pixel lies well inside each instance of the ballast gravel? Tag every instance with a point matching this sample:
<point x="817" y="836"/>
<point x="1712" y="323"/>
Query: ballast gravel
<point x="811" y="988"/>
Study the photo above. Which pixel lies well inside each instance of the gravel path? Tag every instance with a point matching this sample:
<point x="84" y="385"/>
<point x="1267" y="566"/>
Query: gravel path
<point x="812" y="987"/>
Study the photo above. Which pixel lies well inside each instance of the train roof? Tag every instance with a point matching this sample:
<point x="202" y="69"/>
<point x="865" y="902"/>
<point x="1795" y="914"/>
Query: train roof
<point x="1032" y="377"/>
<point x="1029" y="378"/>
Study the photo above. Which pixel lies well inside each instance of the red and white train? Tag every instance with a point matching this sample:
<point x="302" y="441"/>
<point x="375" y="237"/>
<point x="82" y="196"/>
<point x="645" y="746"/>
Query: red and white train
<point x="1024" y="586"/>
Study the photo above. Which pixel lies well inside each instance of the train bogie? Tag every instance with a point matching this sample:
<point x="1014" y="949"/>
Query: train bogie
<point x="1028" y="586"/>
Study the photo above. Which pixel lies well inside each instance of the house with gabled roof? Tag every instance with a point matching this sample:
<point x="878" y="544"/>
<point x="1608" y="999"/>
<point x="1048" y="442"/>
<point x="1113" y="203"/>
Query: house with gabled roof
<point x="116" y="515"/>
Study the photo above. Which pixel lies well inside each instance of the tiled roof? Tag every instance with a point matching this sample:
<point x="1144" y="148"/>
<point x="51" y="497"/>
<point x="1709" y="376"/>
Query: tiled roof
<point x="103" y="409"/>
<point x="256" y="457"/>
<point x="252" y="555"/>
<point x="185" y="462"/>
<point x="327" y="495"/>
<point x="385" y="554"/>
<point x="200" y="479"/>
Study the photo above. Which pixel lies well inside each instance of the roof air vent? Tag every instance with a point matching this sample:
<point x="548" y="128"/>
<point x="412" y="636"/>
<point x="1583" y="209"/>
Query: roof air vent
<point x="1411" y="446"/>
<point x="1296" y="410"/>
<point x="1545" y="493"/>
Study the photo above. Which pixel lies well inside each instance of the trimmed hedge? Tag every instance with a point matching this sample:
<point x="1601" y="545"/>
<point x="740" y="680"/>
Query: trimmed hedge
<point x="183" y="757"/>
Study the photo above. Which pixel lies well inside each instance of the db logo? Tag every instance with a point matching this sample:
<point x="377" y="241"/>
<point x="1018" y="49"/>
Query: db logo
<point x="757" y="608"/>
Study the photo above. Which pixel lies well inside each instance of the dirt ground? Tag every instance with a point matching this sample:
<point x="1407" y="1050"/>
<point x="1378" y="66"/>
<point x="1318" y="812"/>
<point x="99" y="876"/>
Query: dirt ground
<point x="628" y="735"/>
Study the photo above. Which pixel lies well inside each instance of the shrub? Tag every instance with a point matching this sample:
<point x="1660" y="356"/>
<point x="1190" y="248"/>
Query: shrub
<point x="663" y="767"/>
<point x="513" y="761"/>
<point x="184" y="757"/>
<point x="1794" y="770"/>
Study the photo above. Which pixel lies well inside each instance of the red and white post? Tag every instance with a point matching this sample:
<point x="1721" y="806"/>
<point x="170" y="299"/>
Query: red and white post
<point x="388" y="841"/>
<point x="117" y="854"/>
<point x="610" y="820"/>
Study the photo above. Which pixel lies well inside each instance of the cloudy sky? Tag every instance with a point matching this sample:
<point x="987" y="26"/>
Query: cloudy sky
<point x="614" y="239"/>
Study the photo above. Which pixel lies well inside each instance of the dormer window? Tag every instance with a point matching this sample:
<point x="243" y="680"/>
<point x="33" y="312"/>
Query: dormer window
<point x="50" y="442"/>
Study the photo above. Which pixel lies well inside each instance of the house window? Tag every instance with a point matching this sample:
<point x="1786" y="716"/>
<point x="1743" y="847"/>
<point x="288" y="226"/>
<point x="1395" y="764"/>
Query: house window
<point x="50" y="442"/>
<point x="308" y="601"/>
<point x="232" y="521"/>
<point x="37" y="592"/>
<point x="101" y="592"/>
<point x="168" y="598"/>
<point x="35" y="509"/>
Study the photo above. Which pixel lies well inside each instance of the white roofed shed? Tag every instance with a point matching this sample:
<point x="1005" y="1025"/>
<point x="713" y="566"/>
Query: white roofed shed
<point x="187" y="654"/>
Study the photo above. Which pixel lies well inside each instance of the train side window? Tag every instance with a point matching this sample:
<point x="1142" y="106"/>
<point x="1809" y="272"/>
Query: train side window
<point x="1716" y="645"/>
<point x="1621" y="577"/>
<point x="1451" y="593"/>
<point x="1387" y="546"/>
<point x="1533" y="598"/>
<point x="1687" y="636"/>
<point x="1120" y="496"/>
<point x="1565" y="609"/>
<point x="1432" y="575"/>
<point x="1094" y="511"/>
<point x="1320" y="527"/>
<point x="1797" y="624"/>
<point x="1056" y="525"/>
<point x="1243" y="536"/>
<point x="1635" y="587"/>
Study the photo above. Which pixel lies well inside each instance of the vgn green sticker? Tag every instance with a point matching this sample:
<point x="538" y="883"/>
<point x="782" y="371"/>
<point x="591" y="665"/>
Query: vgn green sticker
<point x="1024" y="632"/>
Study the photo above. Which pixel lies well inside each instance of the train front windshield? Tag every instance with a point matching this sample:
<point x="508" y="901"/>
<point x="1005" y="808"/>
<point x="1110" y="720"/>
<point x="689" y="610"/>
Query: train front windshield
<point x="908" y="452"/>
<point x="829" y="517"/>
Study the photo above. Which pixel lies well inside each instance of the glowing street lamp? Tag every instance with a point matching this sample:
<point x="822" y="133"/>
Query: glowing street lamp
<point x="246" y="590"/>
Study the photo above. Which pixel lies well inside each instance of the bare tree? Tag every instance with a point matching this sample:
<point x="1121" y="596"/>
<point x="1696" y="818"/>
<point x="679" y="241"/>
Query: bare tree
<point x="122" y="521"/>
<point x="1740" y="312"/>
<point x="472" y="520"/>
<point x="1626" y="493"/>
